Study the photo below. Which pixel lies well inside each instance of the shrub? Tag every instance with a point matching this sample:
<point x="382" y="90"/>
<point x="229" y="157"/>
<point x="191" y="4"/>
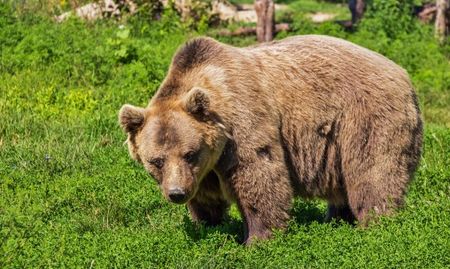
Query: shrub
<point x="389" y="17"/>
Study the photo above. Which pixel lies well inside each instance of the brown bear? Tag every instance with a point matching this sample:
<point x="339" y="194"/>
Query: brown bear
<point x="310" y="116"/>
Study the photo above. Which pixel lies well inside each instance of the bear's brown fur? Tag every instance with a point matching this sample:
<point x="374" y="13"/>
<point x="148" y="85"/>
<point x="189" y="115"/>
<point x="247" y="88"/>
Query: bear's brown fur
<point x="312" y="116"/>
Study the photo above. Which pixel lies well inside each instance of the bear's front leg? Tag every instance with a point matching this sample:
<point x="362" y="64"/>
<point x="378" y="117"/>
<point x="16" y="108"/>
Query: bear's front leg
<point x="209" y="205"/>
<point x="263" y="192"/>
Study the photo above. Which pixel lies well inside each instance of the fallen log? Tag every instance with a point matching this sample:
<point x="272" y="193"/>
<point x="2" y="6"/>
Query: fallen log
<point x="99" y="9"/>
<point x="426" y="13"/>
<point x="242" y="31"/>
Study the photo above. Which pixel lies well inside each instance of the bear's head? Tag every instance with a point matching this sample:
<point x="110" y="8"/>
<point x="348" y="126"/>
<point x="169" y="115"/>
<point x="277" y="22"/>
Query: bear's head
<point x="178" y="141"/>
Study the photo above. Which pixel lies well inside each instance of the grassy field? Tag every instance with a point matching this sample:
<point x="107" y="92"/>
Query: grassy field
<point x="71" y="197"/>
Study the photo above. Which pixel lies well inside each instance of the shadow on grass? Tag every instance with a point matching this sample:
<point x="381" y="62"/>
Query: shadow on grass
<point x="285" y="2"/>
<point x="231" y="227"/>
<point x="303" y="213"/>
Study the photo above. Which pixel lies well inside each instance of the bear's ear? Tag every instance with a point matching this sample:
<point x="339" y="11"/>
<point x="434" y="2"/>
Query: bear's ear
<point x="197" y="102"/>
<point x="131" y="118"/>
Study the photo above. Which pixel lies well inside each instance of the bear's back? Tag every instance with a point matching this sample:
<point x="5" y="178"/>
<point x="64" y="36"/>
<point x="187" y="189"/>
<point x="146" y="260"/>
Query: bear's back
<point x="333" y="61"/>
<point x="316" y="73"/>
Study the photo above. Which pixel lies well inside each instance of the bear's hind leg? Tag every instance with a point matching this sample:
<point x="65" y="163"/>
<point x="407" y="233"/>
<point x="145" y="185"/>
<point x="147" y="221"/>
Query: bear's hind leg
<point x="367" y="201"/>
<point x="209" y="205"/>
<point x="378" y="160"/>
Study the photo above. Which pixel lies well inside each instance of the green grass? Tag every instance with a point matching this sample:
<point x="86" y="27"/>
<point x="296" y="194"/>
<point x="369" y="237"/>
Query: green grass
<point x="71" y="197"/>
<point x="304" y="7"/>
<point x="339" y="9"/>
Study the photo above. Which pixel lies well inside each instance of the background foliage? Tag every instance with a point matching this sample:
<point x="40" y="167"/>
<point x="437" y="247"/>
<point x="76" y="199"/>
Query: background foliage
<point x="70" y="195"/>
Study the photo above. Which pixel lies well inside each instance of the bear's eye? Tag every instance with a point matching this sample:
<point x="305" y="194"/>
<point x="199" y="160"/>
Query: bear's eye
<point x="191" y="156"/>
<point x="157" y="162"/>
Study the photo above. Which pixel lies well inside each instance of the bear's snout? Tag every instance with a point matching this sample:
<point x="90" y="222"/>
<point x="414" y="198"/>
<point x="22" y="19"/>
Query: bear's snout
<point x="177" y="195"/>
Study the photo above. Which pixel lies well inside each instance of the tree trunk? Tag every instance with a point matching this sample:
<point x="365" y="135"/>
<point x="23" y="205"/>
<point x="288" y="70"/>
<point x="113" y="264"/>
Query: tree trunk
<point x="185" y="9"/>
<point x="357" y="8"/>
<point x="265" y="11"/>
<point x="442" y="19"/>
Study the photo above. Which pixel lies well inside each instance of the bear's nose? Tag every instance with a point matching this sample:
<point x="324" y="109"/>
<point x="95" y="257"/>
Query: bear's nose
<point x="177" y="195"/>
